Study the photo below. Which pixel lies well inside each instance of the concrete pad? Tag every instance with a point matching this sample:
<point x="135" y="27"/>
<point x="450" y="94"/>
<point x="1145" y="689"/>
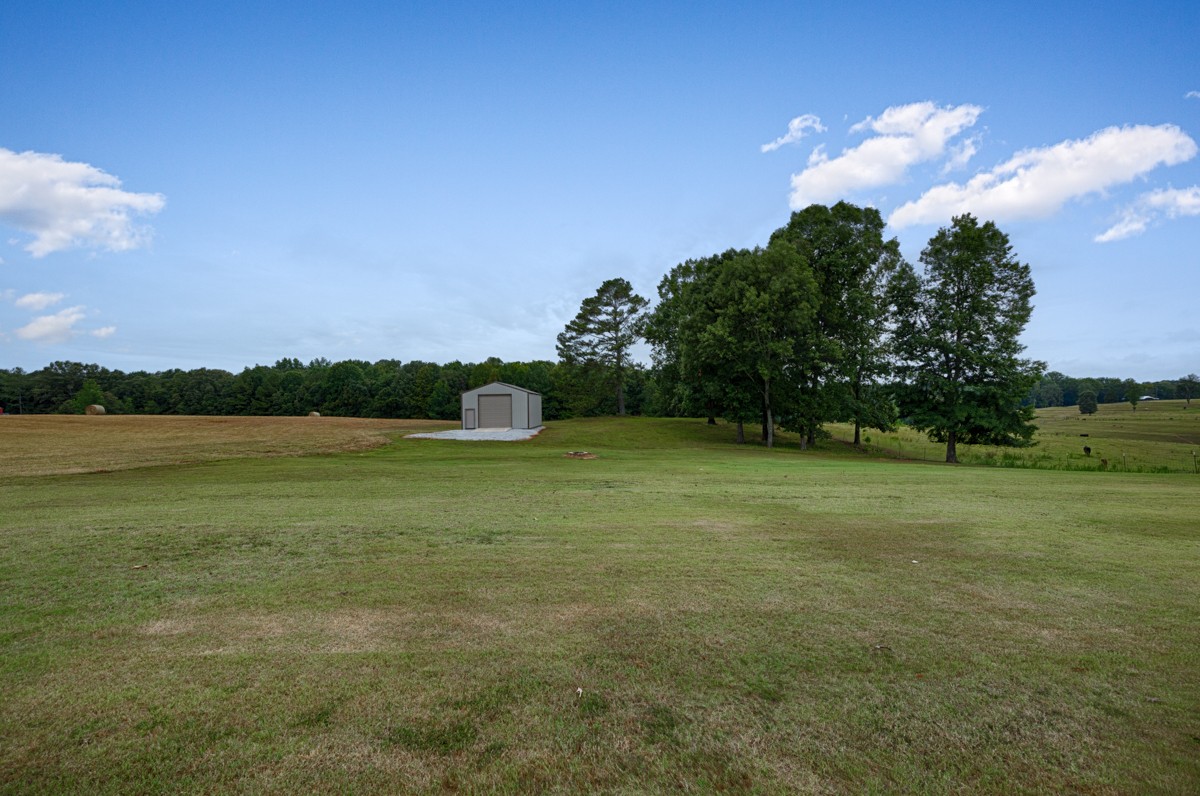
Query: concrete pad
<point x="482" y="434"/>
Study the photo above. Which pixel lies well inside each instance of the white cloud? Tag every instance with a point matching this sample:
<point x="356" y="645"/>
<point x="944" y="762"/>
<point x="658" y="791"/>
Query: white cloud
<point x="1037" y="182"/>
<point x="907" y="135"/>
<point x="56" y="328"/>
<point x="960" y="155"/>
<point x="104" y="331"/>
<point x="65" y="204"/>
<point x="1169" y="202"/>
<point x="38" y="301"/>
<point x="1133" y="223"/>
<point x="1192" y="95"/>
<point x="797" y="129"/>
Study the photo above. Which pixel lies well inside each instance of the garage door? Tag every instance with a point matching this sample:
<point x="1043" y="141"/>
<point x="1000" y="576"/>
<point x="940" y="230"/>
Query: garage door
<point x="495" y="411"/>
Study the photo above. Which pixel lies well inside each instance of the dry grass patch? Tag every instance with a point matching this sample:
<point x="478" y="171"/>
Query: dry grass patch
<point x="66" y="444"/>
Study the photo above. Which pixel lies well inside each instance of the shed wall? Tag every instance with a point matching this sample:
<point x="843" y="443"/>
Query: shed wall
<point x="526" y="407"/>
<point x="535" y="410"/>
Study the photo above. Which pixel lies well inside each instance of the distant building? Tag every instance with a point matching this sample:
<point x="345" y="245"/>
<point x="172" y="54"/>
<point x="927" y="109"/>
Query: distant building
<point x="500" y="405"/>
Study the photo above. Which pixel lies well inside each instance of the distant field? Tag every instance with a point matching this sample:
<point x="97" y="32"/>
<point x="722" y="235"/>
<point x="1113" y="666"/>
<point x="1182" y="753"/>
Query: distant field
<point x="678" y="614"/>
<point x="1161" y="436"/>
<point x="57" y="444"/>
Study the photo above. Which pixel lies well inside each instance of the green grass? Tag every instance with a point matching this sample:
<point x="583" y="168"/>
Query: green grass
<point x="678" y="614"/>
<point x="1160" y="437"/>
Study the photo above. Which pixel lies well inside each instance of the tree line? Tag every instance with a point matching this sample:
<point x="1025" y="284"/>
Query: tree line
<point x="350" y="388"/>
<point x="1058" y="389"/>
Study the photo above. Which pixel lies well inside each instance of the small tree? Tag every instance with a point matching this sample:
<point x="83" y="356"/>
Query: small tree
<point x="89" y="394"/>
<point x="607" y="326"/>
<point x="1132" y="388"/>
<point x="1188" y="387"/>
<point x="1087" y="403"/>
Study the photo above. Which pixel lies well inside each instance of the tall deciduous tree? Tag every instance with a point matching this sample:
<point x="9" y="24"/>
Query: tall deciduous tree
<point x="960" y="374"/>
<point x="850" y="261"/>
<point x="607" y="326"/>
<point x="764" y="303"/>
<point x="691" y="384"/>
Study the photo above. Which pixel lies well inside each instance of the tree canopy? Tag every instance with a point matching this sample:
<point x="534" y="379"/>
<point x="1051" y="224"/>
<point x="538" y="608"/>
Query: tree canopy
<point x="850" y="261"/>
<point x="960" y="376"/>
<point x="601" y="334"/>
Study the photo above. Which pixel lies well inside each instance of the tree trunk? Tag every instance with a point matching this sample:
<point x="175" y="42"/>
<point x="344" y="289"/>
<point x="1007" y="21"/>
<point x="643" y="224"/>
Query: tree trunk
<point x="741" y="437"/>
<point x="952" y="448"/>
<point x="857" y="435"/>
<point x="770" y="419"/>
<point x="803" y="440"/>
<point x="708" y="407"/>
<point x="764" y="422"/>
<point x="811" y="435"/>
<point x="620" y="385"/>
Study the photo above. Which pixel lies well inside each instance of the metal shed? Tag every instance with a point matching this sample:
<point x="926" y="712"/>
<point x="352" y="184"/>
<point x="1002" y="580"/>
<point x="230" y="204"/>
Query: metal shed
<point x="500" y="405"/>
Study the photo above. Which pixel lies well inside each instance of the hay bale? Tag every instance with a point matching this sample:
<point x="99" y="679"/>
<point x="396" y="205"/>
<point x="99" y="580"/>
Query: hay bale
<point x="314" y="414"/>
<point x="94" y="409"/>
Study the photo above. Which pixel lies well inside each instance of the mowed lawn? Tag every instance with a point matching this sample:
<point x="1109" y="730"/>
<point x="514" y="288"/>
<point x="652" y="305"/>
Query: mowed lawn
<point x="678" y="614"/>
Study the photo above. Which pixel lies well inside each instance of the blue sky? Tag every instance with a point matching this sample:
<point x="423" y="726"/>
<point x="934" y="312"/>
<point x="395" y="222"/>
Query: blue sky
<point x="219" y="185"/>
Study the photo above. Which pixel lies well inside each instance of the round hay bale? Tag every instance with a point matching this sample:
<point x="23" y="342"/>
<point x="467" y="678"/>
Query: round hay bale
<point x="314" y="414"/>
<point x="94" y="409"/>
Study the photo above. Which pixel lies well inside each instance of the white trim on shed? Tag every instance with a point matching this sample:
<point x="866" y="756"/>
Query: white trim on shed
<point x="521" y="407"/>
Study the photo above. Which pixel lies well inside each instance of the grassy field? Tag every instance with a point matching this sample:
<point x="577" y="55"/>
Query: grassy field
<point x="60" y="444"/>
<point x="679" y="614"/>
<point x="1159" y="437"/>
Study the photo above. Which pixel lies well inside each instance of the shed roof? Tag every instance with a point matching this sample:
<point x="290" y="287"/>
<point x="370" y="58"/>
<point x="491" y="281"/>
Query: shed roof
<point x="502" y="384"/>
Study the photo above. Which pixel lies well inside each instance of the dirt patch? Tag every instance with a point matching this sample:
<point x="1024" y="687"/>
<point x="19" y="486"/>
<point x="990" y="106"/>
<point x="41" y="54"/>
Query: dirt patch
<point x="579" y="455"/>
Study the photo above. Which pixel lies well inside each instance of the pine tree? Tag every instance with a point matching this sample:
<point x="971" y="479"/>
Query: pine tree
<point x="607" y="326"/>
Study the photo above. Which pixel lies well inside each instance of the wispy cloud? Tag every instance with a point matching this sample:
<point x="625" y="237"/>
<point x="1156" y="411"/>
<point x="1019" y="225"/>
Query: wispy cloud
<point x="1037" y="182"/>
<point x="1169" y="202"/>
<point x="104" y="331"/>
<point x="960" y="155"/>
<point x="905" y="135"/>
<point x="1192" y="95"/>
<point x="797" y="129"/>
<point x="56" y="328"/>
<point x="65" y="204"/>
<point x="38" y="301"/>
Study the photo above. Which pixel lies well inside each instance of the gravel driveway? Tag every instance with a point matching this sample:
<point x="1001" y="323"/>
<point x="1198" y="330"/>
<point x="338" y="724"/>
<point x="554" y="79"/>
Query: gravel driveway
<point x="500" y="435"/>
